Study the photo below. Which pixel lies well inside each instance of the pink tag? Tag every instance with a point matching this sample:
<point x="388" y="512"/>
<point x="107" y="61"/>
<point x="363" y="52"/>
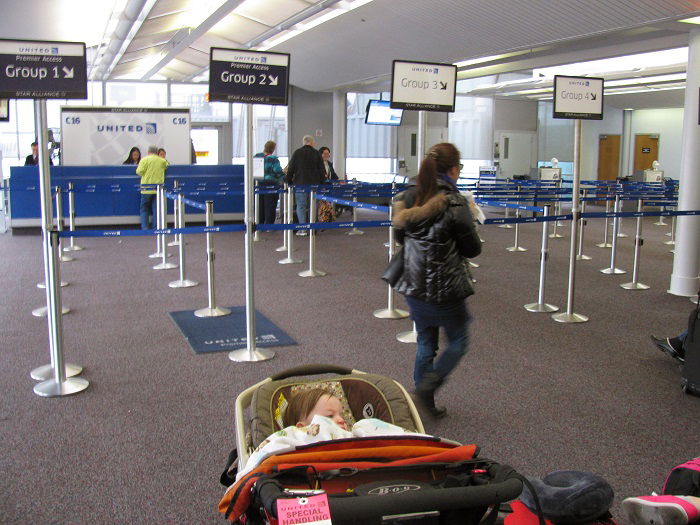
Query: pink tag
<point x="312" y="510"/>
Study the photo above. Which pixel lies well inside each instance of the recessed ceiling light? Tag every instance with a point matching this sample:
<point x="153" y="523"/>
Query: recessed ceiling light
<point x="694" y="20"/>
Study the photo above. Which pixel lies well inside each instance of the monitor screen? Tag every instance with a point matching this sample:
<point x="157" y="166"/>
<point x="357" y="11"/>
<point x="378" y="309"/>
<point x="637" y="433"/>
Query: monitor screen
<point x="379" y="112"/>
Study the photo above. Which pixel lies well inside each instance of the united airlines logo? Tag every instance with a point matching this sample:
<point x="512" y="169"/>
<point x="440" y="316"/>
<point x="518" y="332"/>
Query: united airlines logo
<point x="151" y="128"/>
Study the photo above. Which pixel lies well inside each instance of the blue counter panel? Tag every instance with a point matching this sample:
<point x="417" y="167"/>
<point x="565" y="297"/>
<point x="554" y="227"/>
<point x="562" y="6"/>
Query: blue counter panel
<point x="112" y="191"/>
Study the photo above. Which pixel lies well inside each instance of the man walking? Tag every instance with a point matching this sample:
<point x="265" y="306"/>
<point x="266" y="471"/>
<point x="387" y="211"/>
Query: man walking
<point x="151" y="169"/>
<point x="304" y="168"/>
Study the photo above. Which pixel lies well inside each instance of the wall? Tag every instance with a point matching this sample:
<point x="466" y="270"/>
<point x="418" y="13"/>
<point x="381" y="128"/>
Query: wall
<point x="668" y="123"/>
<point x="310" y="113"/>
<point x="515" y="115"/>
<point x="590" y="134"/>
<point x="436" y="132"/>
<point x="555" y="137"/>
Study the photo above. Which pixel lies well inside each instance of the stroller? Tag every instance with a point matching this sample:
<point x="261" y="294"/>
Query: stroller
<point x="407" y="478"/>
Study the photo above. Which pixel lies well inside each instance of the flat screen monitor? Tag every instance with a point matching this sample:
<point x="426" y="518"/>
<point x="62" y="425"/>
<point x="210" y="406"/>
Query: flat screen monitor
<point x="380" y="113"/>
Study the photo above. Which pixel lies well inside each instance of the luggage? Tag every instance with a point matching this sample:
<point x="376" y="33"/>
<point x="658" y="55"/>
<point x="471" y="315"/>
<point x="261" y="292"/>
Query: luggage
<point x="690" y="372"/>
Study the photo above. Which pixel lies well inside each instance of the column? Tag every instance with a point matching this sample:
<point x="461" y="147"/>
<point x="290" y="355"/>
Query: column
<point x="339" y="131"/>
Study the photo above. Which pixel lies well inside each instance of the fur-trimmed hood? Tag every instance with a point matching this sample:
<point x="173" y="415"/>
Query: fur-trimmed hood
<point x="435" y="206"/>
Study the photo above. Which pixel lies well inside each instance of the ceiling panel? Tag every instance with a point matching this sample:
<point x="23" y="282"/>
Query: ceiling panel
<point x="272" y="12"/>
<point x="238" y="28"/>
<point x="168" y="7"/>
<point x="194" y="56"/>
<point x="147" y="41"/>
<point x="141" y="53"/>
<point x="163" y="23"/>
<point x="208" y="41"/>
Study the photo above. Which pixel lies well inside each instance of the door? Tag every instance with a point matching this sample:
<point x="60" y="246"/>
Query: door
<point x="608" y="157"/>
<point x="646" y="151"/>
<point x="515" y="152"/>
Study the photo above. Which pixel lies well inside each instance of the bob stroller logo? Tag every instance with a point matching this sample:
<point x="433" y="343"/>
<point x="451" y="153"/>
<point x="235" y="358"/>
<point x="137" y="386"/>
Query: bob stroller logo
<point x="151" y="128"/>
<point x="393" y="489"/>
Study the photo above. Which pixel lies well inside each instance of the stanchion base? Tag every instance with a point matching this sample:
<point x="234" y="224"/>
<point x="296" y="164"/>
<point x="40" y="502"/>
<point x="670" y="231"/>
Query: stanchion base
<point x="670" y="243"/>
<point x="74" y="248"/>
<point x="505" y="226"/>
<point x="158" y="255"/>
<point x="66" y="258"/>
<point x="555" y="236"/>
<point x="407" y="337"/>
<point x="312" y="273"/>
<point x="540" y="307"/>
<point x="182" y="283"/>
<point x="45" y="372"/>
<point x="289" y="260"/>
<point x="42" y="286"/>
<point x="604" y="245"/>
<point x="612" y="271"/>
<point x="217" y="311"/>
<point x="672" y="251"/>
<point x="281" y="249"/>
<point x="253" y="355"/>
<point x="355" y="231"/>
<point x="668" y="234"/>
<point x="566" y="318"/>
<point x="622" y="235"/>
<point x="174" y="243"/>
<point x="43" y="312"/>
<point x="52" y="388"/>
<point x="660" y="223"/>
<point x="693" y="300"/>
<point x="583" y="257"/>
<point x="474" y="265"/>
<point x="385" y="313"/>
<point x="516" y="249"/>
<point x="634" y="286"/>
<point x="165" y="266"/>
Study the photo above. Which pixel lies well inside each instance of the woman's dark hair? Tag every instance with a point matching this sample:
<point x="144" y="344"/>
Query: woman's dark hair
<point x="129" y="160"/>
<point x="440" y="158"/>
<point x="301" y="404"/>
<point x="269" y="147"/>
<point x="324" y="148"/>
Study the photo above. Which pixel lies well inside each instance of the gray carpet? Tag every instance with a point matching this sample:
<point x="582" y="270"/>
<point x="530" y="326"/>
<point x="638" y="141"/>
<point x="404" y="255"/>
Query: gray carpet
<point x="149" y="437"/>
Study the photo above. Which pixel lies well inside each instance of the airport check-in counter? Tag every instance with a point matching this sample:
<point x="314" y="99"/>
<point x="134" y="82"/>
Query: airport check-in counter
<point x="109" y="195"/>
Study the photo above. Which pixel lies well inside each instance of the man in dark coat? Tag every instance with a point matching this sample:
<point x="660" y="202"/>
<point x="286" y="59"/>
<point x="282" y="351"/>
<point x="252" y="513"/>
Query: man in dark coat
<point x="304" y="168"/>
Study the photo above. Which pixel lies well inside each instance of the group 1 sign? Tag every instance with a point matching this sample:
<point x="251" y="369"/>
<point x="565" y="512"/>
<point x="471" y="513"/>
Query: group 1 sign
<point x="578" y="97"/>
<point x="33" y="69"/>
<point x="423" y="86"/>
<point x="249" y="77"/>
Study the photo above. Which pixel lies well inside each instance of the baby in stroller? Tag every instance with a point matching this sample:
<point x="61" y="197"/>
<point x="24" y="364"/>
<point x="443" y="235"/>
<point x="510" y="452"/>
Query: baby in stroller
<point x="379" y="470"/>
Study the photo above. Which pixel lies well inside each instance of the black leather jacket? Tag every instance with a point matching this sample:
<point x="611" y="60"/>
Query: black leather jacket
<point x="436" y="237"/>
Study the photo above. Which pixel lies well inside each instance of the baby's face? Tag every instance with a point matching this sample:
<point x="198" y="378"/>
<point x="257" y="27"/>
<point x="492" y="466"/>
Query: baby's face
<point x="330" y="407"/>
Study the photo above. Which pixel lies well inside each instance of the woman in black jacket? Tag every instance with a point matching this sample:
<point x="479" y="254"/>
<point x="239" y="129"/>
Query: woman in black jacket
<point x="433" y="221"/>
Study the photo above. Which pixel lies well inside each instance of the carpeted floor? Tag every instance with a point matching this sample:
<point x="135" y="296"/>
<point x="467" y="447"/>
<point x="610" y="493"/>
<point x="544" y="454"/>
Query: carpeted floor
<point x="148" y="439"/>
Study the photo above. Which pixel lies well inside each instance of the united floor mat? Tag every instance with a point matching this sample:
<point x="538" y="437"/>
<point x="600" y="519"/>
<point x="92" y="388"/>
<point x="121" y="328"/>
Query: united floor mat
<point x="228" y="332"/>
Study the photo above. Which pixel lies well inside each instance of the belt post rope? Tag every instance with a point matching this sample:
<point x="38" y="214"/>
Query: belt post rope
<point x="212" y="310"/>
<point x="540" y="306"/>
<point x="183" y="281"/>
<point x="635" y="284"/>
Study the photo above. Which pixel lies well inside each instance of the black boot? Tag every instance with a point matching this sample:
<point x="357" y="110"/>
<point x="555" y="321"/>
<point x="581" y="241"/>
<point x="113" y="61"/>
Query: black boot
<point x="425" y="394"/>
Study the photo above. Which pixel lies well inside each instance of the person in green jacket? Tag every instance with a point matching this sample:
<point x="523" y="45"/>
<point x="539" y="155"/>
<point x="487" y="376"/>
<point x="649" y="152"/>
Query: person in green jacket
<point x="151" y="169"/>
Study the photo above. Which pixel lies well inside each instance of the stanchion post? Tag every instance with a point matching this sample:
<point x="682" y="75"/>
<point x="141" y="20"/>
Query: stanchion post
<point x="176" y="215"/>
<point x="410" y="336"/>
<point x="612" y="270"/>
<point x="183" y="281"/>
<point x="157" y="222"/>
<point x="516" y="246"/>
<point x="312" y="271"/>
<point x="354" y="230"/>
<point x="212" y="310"/>
<point x="581" y="230"/>
<point x="290" y="233"/>
<point x="390" y="312"/>
<point x="163" y="224"/>
<point x="672" y="233"/>
<point x="71" y="220"/>
<point x="638" y="241"/>
<point x="283" y="219"/>
<point x="256" y="187"/>
<point x="540" y="306"/>
<point x="605" y="243"/>
<point x="59" y="224"/>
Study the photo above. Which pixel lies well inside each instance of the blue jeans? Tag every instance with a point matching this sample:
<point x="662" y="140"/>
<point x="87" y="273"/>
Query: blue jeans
<point x="301" y="200"/>
<point x="148" y="208"/>
<point x="454" y="319"/>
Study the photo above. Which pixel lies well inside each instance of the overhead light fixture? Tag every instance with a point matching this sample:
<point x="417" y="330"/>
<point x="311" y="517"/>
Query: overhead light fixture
<point x="677" y="77"/>
<point x="694" y="20"/>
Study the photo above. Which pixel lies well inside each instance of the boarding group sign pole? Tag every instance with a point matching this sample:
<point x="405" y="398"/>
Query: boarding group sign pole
<point x="249" y="77"/>
<point x="40" y="70"/>
<point x="576" y="98"/>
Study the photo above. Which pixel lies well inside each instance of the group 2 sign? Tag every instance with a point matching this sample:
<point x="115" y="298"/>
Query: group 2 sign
<point x="249" y="77"/>
<point x="578" y="97"/>
<point x="41" y="69"/>
<point x="423" y="86"/>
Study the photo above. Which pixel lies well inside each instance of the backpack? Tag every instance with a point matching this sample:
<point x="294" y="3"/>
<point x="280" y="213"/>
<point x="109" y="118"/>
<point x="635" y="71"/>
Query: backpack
<point x="684" y="479"/>
<point x="691" y="347"/>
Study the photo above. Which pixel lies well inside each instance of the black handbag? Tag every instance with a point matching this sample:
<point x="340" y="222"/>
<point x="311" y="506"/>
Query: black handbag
<point x="394" y="270"/>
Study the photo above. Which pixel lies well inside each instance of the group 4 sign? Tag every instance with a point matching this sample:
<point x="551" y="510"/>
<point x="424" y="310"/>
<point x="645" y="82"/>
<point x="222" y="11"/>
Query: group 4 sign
<point x="34" y="69"/>
<point x="250" y="77"/>
<point x="423" y="86"/>
<point x="578" y="97"/>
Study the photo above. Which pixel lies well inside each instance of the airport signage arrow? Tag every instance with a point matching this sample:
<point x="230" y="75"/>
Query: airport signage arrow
<point x="578" y="97"/>
<point x="423" y="86"/>
<point x="41" y="69"/>
<point x="250" y="77"/>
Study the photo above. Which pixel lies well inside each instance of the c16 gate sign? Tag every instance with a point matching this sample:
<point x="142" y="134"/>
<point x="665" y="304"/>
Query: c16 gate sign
<point x="578" y="97"/>
<point x="248" y="76"/>
<point x="423" y="86"/>
<point x="33" y="69"/>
